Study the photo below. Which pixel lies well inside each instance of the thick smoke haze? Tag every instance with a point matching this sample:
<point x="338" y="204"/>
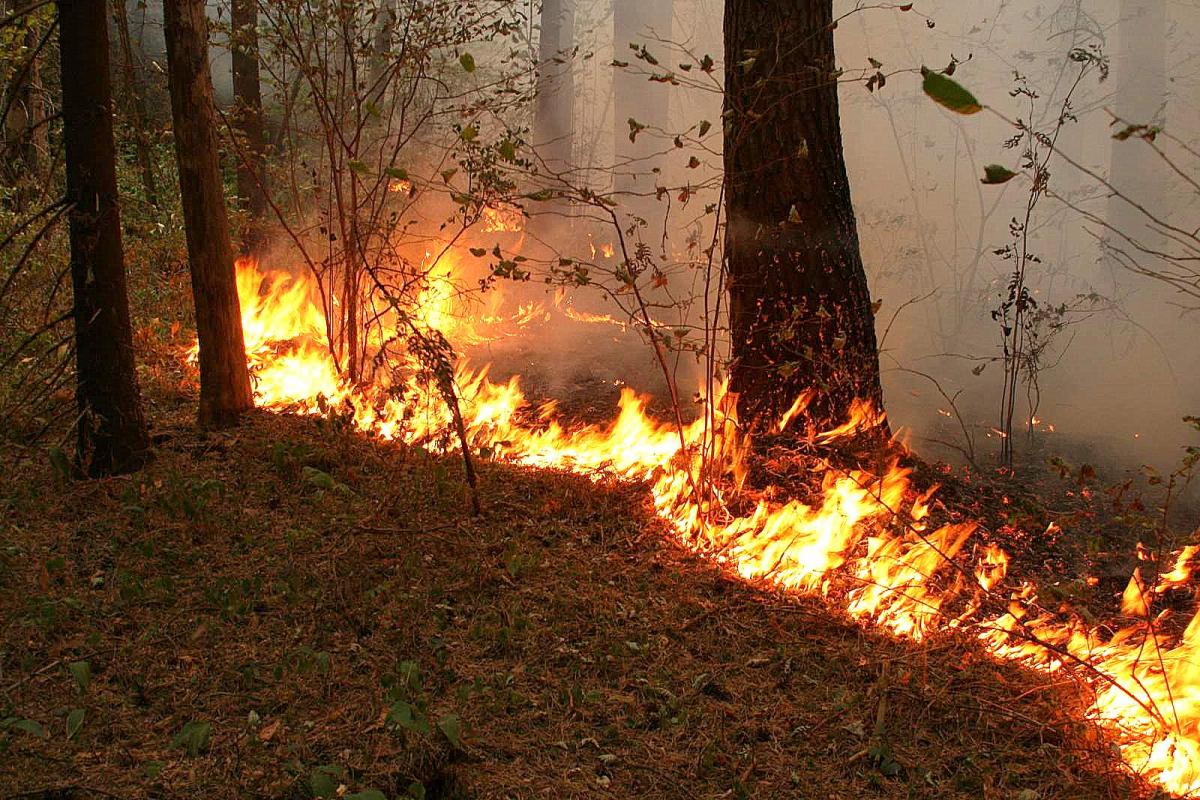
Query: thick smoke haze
<point x="1123" y="368"/>
<point x="1120" y="363"/>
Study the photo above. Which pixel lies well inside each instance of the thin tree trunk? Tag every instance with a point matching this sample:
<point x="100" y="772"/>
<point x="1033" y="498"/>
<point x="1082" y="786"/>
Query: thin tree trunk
<point x="640" y="23"/>
<point x="555" y="110"/>
<point x="112" y="435"/>
<point x="800" y="311"/>
<point x="136" y="102"/>
<point x="1141" y="76"/>
<point x="224" y="381"/>
<point x="381" y="57"/>
<point x="248" y="117"/>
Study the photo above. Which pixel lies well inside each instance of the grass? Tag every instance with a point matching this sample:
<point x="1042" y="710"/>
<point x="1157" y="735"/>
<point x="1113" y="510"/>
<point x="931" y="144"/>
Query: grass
<point x="291" y="610"/>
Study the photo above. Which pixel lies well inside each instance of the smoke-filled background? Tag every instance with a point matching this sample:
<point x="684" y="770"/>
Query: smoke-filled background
<point x="1118" y="365"/>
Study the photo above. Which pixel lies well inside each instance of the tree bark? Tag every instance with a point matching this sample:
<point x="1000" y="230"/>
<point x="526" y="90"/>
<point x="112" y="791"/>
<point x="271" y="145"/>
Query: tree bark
<point x="224" y="381"/>
<point x="248" y="117"/>
<point x="136" y="104"/>
<point x="111" y="434"/>
<point x="800" y="311"/>
<point x="555" y="109"/>
<point x="639" y="22"/>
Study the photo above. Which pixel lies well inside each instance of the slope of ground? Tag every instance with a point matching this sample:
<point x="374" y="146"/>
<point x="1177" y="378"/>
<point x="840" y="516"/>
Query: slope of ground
<point x="289" y="610"/>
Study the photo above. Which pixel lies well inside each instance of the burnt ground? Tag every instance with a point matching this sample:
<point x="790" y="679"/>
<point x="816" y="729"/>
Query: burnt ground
<point x="289" y="608"/>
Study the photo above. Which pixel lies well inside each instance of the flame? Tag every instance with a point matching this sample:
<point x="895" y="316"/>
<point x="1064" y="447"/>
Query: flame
<point x="502" y="218"/>
<point x="861" y="539"/>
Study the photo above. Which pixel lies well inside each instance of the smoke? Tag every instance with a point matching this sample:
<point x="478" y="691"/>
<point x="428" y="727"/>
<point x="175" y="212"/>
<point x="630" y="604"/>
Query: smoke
<point x="1118" y="367"/>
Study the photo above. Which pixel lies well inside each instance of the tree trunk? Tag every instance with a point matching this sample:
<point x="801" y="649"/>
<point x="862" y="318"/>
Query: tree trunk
<point x="800" y="311"/>
<point x="555" y="111"/>
<point x="224" y="382"/>
<point x="1140" y="69"/>
<point x="248" y="117"/>
<point x="381" y="56"/>
<point x="641" y="23"/>
<point x="136" y="104"/>
<point x="112" y="434"/>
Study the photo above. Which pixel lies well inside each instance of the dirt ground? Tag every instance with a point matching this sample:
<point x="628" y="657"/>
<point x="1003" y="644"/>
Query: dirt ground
<point x="291" y="610"/>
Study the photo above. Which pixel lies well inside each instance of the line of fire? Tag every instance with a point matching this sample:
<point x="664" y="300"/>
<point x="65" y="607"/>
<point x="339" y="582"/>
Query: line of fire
<point x="599" y="398"/>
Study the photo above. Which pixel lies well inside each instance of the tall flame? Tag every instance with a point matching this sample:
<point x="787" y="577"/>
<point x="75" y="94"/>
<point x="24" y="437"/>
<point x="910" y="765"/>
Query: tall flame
<point x="862" y="530"/>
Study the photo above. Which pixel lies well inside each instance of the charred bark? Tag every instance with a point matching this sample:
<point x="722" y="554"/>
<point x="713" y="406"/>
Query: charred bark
<point x="111" y="435"/>
<point x="248" y="117"/>
<point x="800" y="311"/>
<point x="224" y="381"/>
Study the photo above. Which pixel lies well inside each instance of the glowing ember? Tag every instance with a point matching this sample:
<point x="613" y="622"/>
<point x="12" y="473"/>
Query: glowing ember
<point x="864" y="530"/>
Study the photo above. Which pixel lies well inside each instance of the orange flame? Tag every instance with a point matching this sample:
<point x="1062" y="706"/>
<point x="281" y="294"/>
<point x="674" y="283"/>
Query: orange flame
<point x="863" y="529"/>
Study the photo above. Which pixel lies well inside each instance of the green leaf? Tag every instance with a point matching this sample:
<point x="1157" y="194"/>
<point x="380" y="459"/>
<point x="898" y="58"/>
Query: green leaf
<point x="468" y="62"/>
<point x="318" y="478"/>
<point x="81" y="671"/>
<point x="410" y="671"/>
<point x="705" y="127"/>
<point x="405" y="716"/>
<point x="997" y="173"/>
<point x="74" y="722"/>
<point x="30" y="726"/>
<point x="358" y="167"/>
<point x="367" y="794"/>
<point x="152" y="769"/>
<point x="324" y="780"/>
<point x="948" y="93"/>
<point x="451" y="727"/>
<point x="323" y="480"/>
<point x="397" y="173"/>
<point x="469" y="133"/>
<point x="193" y="737"/>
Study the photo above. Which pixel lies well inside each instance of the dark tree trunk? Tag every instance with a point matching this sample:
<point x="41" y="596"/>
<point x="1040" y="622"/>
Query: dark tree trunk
<point x="248" y="117"/>
<point x="224" y="382"/>
<point x="635" y="96"/>
<point x="112" y="434"/>
<point x="555" y="111"/>
<point x="800" y="311"/>
<point x="136" y="104"/>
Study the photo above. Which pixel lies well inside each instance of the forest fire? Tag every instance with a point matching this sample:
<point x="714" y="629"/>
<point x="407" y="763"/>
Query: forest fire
<point x="865" y="543"/>
<point x="374" y="511"/>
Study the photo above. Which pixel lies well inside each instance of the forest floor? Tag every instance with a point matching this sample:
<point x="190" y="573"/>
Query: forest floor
<point x="290" y="610"/>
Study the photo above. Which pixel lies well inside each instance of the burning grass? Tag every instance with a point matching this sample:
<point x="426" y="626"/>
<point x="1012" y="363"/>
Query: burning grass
<point x="319" y="609"/>
<point x="328" y="584"/>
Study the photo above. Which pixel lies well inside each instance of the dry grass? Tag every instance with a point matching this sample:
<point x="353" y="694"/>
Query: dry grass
<point x="279" y="582"/>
